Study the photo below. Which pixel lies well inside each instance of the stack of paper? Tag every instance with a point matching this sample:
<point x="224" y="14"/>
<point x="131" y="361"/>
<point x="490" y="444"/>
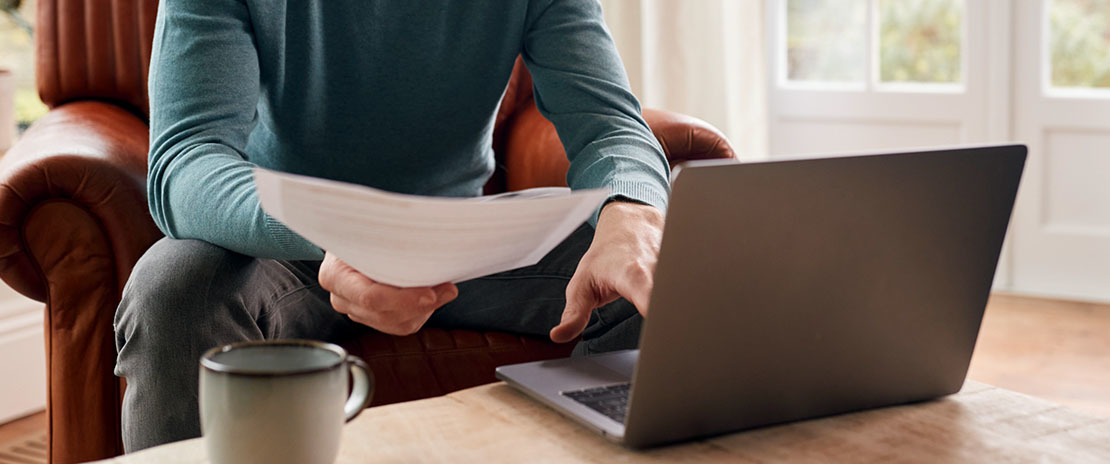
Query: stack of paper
<point x="410" y="241"/>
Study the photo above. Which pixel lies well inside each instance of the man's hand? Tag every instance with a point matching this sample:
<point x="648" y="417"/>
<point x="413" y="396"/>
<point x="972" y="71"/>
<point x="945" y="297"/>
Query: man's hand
<point x="620" y="263"/>
<point x="389" y="309"/>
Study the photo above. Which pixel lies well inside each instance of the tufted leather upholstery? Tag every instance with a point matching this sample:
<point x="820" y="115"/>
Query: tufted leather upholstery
<point x="74" y="220"/>
<point x="94" y="49"/>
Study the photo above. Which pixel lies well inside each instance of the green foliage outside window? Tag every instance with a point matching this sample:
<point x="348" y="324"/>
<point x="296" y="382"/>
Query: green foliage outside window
<point x="1080" y="35"/>
<point x="919" y="40"/>
<point x="16" y="56"/>
<point x="826" y="40"/>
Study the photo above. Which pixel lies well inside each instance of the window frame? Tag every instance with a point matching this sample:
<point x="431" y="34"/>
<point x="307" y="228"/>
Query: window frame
<point x="1048" y="90"/>
<point x="872" y="75"/>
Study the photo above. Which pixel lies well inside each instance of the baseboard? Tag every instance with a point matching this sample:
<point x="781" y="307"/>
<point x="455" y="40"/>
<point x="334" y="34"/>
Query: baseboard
<point x="22" y="357"/>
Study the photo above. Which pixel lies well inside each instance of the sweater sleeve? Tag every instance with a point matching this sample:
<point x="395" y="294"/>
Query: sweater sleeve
<point x="204" y="91"/>
<point x="580" y="86"/>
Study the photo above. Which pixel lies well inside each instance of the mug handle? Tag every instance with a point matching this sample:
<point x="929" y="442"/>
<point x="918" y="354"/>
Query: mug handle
<point x="362" y="390"/>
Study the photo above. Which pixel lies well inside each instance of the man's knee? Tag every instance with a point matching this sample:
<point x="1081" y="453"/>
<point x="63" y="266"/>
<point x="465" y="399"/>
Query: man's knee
<point x="172" y="288"/>
<point x="564" y="258"/>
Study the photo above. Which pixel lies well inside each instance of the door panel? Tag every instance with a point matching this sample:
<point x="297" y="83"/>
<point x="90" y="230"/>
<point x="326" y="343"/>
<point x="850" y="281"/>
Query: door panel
<point x="869" y="110"/>
<point x="1061" y="241"/>
<point x="847" y="136"/>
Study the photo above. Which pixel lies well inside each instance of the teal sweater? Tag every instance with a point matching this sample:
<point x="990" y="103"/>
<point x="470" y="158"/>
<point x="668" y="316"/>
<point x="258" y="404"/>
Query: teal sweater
<point x="395" y="94"/>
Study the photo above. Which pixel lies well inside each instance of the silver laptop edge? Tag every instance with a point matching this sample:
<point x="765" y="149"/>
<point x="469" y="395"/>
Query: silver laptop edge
<point x="788" y="290"/>
<point x="538" y="384"/>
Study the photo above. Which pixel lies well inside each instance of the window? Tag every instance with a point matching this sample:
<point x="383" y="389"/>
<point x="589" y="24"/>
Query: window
<point x="919" y="40"/>
<point x="826" y="40"/>
<point x="1078" y="36"/>
<point x="884" y="44"/>
<point x="16" y="56"/>
<point x="856" y="75"/>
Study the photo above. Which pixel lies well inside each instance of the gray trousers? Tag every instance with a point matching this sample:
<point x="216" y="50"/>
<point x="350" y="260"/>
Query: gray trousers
<point x="186" y="296"/>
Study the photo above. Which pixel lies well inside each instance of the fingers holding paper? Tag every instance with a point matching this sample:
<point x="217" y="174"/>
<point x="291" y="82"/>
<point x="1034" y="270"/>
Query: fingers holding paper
<point x="619" y="263"/>
<point x="389" y="309"/>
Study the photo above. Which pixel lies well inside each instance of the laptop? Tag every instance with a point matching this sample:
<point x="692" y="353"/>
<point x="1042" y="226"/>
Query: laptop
<point x="789" y="290"/>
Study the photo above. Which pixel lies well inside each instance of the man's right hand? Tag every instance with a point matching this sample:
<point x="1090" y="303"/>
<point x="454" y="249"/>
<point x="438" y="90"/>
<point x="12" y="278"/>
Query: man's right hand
<point x="389" y="309"/>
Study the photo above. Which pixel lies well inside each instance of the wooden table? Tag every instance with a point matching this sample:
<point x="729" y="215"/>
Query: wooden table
<point x="494" y="423"/>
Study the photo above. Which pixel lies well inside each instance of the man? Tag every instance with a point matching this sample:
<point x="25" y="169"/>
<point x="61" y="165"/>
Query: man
<point x="399" y="95"/>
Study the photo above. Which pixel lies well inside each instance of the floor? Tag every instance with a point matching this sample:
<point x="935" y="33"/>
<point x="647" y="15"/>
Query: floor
<point x="24" y="441"/>
<point x="1057" y="350"/>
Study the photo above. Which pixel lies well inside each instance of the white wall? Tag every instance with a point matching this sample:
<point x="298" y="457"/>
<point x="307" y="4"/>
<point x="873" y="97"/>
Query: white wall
<point x="700" y="58"/>
<point x="22" y="356"/>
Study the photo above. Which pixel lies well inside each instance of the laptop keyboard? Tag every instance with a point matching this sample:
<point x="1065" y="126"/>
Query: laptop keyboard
<point x="610" y="400"/>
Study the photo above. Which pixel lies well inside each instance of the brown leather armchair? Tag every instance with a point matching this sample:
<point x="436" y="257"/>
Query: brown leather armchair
<point x="74" y="220"/>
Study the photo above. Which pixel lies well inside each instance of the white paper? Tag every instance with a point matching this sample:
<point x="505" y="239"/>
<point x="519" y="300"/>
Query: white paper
<point x="412" y="241"/>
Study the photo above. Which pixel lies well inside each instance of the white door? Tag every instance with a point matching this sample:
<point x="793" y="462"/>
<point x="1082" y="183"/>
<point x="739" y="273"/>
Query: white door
<point x="858" y="75"/>
<point x="1061" y="229"/>
<point x="851" y="75"/>
<point x="22" y="358"/>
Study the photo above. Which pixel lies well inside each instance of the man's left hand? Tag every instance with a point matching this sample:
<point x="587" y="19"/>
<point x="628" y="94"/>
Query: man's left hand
<point x="620" y="263"/>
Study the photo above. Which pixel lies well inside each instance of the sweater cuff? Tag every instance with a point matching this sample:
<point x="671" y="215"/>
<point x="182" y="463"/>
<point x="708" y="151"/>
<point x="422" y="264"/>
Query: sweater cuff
<point x="648" y="193"/>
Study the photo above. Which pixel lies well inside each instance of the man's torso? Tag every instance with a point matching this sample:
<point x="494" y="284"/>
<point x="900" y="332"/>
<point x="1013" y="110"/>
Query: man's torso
<point x="396" y="94"/>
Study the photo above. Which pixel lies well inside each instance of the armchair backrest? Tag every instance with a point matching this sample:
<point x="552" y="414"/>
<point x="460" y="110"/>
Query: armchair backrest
<point x="94" y="49"/>
<point x="99" y="49"/>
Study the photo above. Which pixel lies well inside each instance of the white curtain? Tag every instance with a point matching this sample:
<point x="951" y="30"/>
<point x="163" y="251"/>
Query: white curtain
<point x="704" y="58"/>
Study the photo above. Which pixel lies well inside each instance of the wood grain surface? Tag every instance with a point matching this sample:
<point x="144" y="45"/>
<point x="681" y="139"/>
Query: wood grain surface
<point x="1052" y="349"/>
<point x="23" y="441"/>
<point x="494" y="423"/>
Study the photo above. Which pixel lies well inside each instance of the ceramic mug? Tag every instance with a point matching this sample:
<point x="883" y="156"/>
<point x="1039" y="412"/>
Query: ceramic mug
<point x="279" y="401"/>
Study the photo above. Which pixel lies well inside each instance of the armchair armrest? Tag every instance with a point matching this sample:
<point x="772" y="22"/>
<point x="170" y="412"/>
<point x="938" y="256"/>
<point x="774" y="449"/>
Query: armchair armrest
<point x="73" y="222"/>
<point x="91" y="156"/>
<point x="534" y="156"/>
<point x="686" y="138"/>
